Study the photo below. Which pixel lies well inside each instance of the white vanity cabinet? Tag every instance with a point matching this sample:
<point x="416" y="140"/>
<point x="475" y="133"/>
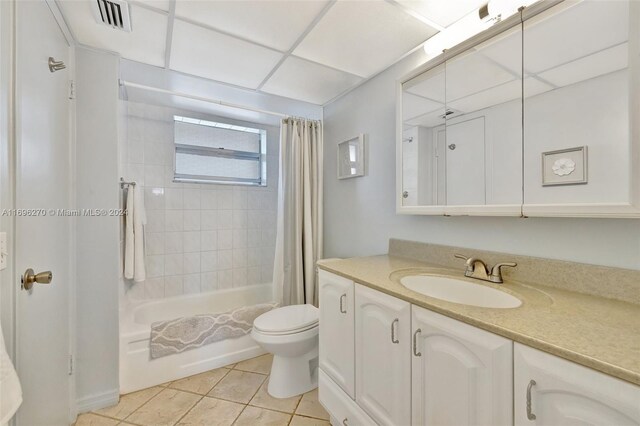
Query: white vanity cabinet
<point x="552" y="391"/>
<point x="384" y="361"/>
<point x="383" y="368"/>
<point x="337" y="330"/>
<point x="461" y="375"/>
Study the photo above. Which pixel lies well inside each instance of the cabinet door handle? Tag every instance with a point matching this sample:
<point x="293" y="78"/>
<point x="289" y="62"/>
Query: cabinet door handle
<point x="342" y="298"/>
<point x="393" y="331"/>
<point x="415" y="342"/>
<point x="530" y="414"/>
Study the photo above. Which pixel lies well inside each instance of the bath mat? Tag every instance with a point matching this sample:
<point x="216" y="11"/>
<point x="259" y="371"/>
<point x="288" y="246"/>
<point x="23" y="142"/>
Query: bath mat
<point x="186" y="333"/>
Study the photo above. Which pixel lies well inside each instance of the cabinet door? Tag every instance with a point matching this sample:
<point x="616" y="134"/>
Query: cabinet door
<point x="383" y="369"/>
<point x="336" y="330"/>
<point x="552" y="391"/>
<point x="461" y="375"/>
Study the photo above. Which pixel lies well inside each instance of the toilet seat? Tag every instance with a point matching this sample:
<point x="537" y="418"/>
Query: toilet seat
<point x="287" y="320"/>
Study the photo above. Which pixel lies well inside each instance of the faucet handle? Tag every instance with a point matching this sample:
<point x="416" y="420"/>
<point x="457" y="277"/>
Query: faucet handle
<point x="461" y="256"/>
<point x="496" y="272"/>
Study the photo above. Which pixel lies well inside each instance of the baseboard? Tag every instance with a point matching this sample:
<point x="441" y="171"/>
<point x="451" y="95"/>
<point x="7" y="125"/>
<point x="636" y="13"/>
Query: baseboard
<point x="95" y="402"/>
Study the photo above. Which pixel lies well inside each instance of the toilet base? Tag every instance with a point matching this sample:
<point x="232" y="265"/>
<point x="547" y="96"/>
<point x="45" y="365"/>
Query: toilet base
<point x="293" y="376"/>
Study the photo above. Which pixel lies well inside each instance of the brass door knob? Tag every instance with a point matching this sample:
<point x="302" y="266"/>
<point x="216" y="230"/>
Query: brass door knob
<point x="31" y="277"/>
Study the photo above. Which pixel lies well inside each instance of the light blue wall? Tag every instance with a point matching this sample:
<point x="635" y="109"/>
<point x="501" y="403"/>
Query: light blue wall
<point x="360" y="213"/>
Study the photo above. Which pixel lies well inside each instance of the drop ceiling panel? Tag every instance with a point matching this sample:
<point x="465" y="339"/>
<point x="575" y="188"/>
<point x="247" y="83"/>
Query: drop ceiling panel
<point x="307" y="81"/>
<point x="146" y="43"/>
<point x="567" y="36"/>
<point x="591" y="66"/>
<point x="486" y="74"/>
<point x="276" y="24"/>
<point x="443" y="12"/>
<point x="414" y="106"/>
<point x="206" y="53"/>
<point x="363" y="37"/>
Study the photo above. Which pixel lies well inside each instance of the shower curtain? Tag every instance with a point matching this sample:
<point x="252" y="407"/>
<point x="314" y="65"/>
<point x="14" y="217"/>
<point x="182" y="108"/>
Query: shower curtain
<point x="299" y="222"/>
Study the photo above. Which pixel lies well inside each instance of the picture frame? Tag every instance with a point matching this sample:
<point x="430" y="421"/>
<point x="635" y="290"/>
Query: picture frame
<point x="565" y="167"/>
<point x="351" y="157"/>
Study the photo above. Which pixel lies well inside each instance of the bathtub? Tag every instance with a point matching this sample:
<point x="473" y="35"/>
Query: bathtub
<point x="139" y="371"/>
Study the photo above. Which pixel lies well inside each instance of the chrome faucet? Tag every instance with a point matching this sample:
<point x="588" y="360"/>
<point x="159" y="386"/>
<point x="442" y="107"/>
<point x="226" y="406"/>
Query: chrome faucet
<point x="476" y="268"/>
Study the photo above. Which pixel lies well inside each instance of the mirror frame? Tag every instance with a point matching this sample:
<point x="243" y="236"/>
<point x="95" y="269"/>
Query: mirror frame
<point x="631" y="209"/>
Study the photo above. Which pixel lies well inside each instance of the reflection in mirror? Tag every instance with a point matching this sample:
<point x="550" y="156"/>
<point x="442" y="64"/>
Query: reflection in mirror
<point x="577" y="95"/>
<point x="423" y="112"/>
<point x="484" y="123"/>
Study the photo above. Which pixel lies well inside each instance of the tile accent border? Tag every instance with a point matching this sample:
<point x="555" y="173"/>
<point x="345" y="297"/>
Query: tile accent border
<point x="603" y="281"/>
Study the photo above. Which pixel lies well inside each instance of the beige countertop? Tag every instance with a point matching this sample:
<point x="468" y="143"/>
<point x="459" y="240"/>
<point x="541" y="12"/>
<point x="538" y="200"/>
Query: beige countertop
<point x="600" y="333"/>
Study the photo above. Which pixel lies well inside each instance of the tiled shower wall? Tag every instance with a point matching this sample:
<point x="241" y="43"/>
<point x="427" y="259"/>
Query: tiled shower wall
<point x="199" y="237"/>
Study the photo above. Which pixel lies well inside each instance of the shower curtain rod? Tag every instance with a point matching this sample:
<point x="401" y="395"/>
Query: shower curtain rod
<point x="199" y="98"/>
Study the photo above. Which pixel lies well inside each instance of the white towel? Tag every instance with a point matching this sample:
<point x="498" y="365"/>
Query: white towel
<point x="10" y="389"/>
<point x="135" y="220"/>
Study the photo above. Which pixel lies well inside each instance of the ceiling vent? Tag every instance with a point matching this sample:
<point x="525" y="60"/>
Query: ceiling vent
<point x="114" y="13"/>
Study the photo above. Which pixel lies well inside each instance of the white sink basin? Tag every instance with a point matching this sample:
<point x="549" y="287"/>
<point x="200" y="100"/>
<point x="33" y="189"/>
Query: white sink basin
<point x="459" y="291"/>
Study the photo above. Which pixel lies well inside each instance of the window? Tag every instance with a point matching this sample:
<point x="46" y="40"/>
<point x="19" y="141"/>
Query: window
<point x="212" y="152"/>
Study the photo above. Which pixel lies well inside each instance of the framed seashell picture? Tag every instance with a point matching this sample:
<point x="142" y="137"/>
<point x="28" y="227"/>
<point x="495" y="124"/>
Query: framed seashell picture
<point x="565" y="166"/>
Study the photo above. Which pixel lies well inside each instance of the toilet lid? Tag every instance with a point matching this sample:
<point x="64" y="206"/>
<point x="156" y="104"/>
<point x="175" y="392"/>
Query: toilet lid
<point x="287" y="319"/>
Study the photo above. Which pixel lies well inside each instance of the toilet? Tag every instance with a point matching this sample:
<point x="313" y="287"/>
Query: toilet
<point x="290" y="333"/>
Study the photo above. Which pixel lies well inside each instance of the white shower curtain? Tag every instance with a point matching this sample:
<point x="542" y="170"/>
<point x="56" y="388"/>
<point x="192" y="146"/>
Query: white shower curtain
<point x="299" y="227"/>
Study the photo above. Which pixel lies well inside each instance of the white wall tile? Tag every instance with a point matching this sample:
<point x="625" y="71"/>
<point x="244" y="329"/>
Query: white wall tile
<point x="225" y="239"/>
<point x="225" y="219"/>
<point x="155" y="243"/>
<point x="254" y="275"/>
<point x="239" y="219"/>
<point x="155" y="221"/>
<point x="173" y="199"/>
<point x="208" y="220"/>
<point x="154" y="288"/>
<point x="191" y="220"/>
<point x="153" y="198"/>
<point x="135" y="151"/>
<point x="209" y="240"/>
<point x="192" y="242"/>
<point x="253" y="257"/>
<point x="254" y="237"/>
<point x="239" y="277"/>
<point x="239" y="199"/>
<point x="155" y="266"/>
<point x="154" y="153"/>
<point x="208" y="281"/>
<point x="209" y="261"/>
<point x="174" y="243"/>
<point x="173" y="264"/>
<point x="225" y="199"/>
<point x="192" y="283"/>
<point x="153" y="175"/>
<point x="225" y="279"/>
<point x="208" y="199"/>
<point x="239" y="238"/>
<point x="240" y="258"/>
<point x="192" y="199"/>
<point x="174" y="220"/>
<point x="173" y="286"/>
<point x="225" y="259"/>
<point x="192" y="263"/>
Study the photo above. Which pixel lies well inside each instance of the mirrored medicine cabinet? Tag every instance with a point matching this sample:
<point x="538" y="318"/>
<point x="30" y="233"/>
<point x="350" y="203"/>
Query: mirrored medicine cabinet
<point x="536" y="116"/>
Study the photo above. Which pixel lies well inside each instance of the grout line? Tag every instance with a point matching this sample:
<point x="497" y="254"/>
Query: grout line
<point x="299" y="40"/>
<point x="189" y="410"/>
<point x="169" y="39"/>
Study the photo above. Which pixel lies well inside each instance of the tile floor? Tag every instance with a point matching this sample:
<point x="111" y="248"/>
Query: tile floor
<point x="232" y="395"/>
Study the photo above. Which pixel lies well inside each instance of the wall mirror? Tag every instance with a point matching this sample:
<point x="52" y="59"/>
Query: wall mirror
<point x="529" y="118"/>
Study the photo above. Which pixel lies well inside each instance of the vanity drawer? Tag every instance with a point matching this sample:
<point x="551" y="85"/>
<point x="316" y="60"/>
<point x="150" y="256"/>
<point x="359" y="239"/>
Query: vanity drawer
<point x="343" y="410"/>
